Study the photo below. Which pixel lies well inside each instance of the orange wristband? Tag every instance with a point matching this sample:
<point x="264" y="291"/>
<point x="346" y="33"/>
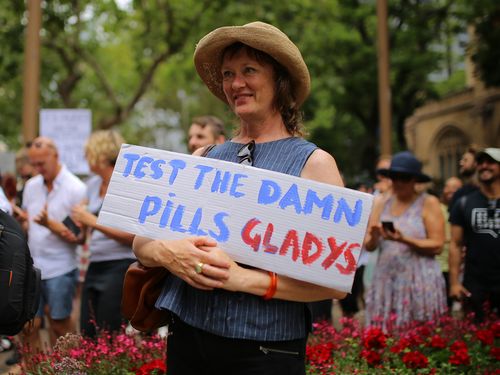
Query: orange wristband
<point x="271" y="291"/>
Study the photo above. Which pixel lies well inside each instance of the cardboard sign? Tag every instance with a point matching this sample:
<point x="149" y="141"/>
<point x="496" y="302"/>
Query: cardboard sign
<point x="69" y="129"/>
<point x="304" y="229"/>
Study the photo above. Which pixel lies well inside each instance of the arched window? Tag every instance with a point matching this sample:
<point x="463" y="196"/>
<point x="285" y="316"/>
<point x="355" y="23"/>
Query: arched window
<point x="450" y="146"/>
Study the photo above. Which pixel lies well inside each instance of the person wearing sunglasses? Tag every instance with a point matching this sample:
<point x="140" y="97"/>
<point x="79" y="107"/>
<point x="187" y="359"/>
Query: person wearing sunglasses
<point x="229" y="318"/>
<point x="475" y="224"/>
<point x="408" y="228"/>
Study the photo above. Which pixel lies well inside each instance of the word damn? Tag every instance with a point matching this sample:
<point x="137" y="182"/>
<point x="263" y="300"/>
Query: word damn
<point x="269" y="193"/>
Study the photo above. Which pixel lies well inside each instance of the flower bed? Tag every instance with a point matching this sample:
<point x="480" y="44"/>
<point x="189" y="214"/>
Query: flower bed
<point x="446" y="345"/>
<point x="113" y="355"/>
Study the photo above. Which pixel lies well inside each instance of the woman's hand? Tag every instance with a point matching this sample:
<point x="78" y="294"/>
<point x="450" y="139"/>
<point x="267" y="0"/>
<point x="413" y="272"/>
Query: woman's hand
<point x="458" y="292"/>
<point x="185" y="257"/>
<point x="372" y="237"/>
<point x="392" y="236"/>
<point x="80" y="214"/>
<point x="236" y="273"/>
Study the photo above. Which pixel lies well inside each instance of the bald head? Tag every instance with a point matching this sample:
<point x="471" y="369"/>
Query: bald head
<point x="451" y="185"/>
<point x="43" y="156"/>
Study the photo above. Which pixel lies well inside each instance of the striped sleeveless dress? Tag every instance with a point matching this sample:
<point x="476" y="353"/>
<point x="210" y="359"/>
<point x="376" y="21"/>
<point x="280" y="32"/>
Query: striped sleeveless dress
<point x="242" y="315"/>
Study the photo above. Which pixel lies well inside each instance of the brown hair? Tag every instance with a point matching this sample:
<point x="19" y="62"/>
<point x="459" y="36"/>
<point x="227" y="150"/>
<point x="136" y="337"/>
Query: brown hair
<point x="215" y="124"/>
<point x="284" y="100"/>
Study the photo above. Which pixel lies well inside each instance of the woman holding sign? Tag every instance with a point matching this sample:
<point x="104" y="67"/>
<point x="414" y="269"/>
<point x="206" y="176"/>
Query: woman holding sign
<point x="227" y="318"/>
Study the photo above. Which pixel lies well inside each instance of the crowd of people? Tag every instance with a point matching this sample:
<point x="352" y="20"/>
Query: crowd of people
<point x="421" y="252"/>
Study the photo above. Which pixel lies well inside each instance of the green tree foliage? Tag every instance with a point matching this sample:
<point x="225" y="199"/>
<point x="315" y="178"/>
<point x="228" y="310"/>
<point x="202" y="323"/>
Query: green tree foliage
<point x="127" y="63"/>
<point x="12" y="25"/>
<point x="484" y="15"/>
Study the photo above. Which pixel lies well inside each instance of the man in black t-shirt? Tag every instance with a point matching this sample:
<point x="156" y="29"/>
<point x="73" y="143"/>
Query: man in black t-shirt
<point x="475" y="224"/>
<point x="467" y="171"/>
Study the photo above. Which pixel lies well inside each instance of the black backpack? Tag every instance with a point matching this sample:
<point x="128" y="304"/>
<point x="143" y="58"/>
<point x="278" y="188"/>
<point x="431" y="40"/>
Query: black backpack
<point x="20" y="281"/>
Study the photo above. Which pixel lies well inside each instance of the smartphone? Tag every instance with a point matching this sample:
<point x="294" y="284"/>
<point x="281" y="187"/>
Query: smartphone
<point x="388" y="226"/>
<point x="71" y="225"/>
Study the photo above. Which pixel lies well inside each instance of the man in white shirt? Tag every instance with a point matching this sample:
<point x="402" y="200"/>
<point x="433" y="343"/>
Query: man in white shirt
<point x="48" y="199"/>
<point x="4" y="203"/>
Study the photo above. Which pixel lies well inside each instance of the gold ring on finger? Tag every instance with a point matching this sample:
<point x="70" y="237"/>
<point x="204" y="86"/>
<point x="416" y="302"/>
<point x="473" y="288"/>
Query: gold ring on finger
<point x="199" y="267"/>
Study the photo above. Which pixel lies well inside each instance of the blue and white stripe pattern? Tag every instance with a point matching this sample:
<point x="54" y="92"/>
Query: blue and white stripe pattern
<point x="242" y="315"/>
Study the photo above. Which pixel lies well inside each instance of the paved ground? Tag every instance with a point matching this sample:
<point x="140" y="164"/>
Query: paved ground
<point x="6" y="370"/>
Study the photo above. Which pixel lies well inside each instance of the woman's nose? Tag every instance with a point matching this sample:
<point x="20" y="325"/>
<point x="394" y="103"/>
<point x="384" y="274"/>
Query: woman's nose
<point x="238" y="81"/>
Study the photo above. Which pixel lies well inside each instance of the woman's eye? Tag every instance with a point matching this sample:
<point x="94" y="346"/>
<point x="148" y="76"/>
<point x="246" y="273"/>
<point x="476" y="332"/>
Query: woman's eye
<point x="249" y="69"/>
<point x="226" y="74"/>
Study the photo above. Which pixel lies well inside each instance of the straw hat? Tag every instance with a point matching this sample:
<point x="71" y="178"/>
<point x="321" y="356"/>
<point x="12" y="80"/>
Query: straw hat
<point x="258" y="35"/>
<point x="404" y="163"/>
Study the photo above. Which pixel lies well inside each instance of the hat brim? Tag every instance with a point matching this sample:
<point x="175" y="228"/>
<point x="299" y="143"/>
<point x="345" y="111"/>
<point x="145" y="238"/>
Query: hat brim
<point x="258" y="35"/>
<point x="490" y="153"/>
<point x="391" y="172"/>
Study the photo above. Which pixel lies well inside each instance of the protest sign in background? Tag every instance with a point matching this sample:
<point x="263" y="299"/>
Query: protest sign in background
<point x="69" y="129"/>
<point x="296" y="227"/>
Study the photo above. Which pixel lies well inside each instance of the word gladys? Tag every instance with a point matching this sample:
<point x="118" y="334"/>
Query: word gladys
<point x="304" y="251"/>
<point x="270" y="192"/>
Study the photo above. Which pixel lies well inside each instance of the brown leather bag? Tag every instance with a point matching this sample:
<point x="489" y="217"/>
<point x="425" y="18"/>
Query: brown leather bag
<point x="141" y="288"/>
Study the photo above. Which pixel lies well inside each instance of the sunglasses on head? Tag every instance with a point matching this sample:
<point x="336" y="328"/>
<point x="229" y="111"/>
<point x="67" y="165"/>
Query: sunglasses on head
<point x="245" y="153"/>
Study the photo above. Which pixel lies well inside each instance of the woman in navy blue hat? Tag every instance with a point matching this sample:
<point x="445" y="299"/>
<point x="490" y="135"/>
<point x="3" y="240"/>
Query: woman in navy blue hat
<point x="408" y="227"/>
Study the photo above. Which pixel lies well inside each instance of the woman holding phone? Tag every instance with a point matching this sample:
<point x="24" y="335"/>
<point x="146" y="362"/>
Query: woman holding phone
<point x="408" y="226"/>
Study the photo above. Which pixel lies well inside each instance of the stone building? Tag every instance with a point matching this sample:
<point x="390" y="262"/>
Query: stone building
<point x="439" y="132"/>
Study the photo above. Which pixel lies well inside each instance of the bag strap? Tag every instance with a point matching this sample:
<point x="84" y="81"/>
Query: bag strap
<point x="208" y="149"/>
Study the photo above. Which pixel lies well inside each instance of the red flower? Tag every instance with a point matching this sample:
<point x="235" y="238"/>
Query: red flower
<point x="485" y="336"/>
<point x="158" y="366"/>
<point x="320" y="353"/>
<point x="372" y="357"/>
<point x="374" y="338"/>
<point x="458" y="345"/>
<point x="495" y="353"/>
<point x="460" y="354"/>
<point x="495" y="328"/>
<point x="401" y="345"/>
<point x="415" y="360"/>
<point x="437" y="342"/>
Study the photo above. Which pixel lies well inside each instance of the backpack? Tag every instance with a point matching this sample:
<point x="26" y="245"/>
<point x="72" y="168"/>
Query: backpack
<point x="20" y="281"/>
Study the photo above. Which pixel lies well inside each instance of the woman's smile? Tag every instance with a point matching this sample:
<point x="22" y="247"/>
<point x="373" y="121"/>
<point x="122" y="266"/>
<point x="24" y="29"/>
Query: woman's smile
<point x="248" y="85"/>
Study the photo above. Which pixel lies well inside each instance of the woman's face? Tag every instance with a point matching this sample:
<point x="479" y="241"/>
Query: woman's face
<point x="248" y="85"/>
<point x="402" y="184"/>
